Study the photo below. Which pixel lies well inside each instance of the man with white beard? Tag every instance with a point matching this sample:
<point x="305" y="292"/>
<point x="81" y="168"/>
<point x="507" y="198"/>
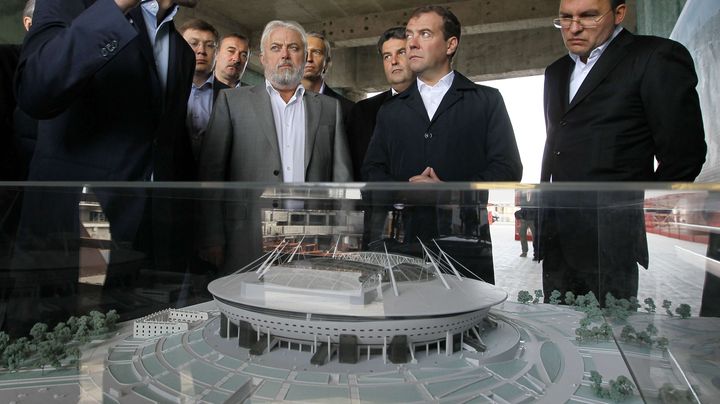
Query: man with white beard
<point x="274" y="132"/>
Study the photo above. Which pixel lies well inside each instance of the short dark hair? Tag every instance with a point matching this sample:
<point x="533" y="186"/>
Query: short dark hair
<point x="326" y="44"/>
<point x="199" y="25"/>
<point x="235" y="35"/>
<point x="392" y="33"/>
<point x="616" y="3"/>
<point x="451" y="24"/>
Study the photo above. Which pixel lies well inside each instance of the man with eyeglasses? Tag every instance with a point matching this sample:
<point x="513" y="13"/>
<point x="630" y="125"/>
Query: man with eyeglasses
<point x="613" y="105"/>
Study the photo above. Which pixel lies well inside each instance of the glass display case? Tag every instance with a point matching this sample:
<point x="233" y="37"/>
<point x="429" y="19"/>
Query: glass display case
<point x="236" y="292"/>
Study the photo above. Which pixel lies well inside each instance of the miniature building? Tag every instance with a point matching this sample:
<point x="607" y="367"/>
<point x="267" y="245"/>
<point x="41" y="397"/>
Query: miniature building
<point x="166" y="322"/>
<point x="365" y="297"/>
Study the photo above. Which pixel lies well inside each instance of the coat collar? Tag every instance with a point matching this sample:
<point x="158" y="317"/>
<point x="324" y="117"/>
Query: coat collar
<point x="459" y="85"/>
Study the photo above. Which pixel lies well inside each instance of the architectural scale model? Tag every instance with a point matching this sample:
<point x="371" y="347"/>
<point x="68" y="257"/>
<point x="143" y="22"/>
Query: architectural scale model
<point x="354" y="301"/>
<point x="376" y="328"/>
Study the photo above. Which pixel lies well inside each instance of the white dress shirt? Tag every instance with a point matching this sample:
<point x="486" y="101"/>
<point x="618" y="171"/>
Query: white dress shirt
<point x="290" y="128"/>
<point x="582" y="70"/>
<point x="159" y="37"/>
<point x="433" y="95"/>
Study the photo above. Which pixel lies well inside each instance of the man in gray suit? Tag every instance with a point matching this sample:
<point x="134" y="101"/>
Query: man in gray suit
<point x="276" y="132"/>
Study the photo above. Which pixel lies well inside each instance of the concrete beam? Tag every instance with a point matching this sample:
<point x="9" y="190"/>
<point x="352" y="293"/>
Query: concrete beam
<point x="476" y="16"/>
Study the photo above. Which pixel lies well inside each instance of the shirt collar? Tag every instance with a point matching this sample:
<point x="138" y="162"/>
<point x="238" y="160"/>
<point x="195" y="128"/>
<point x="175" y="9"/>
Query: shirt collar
<point x="208" y="83"/>
<point x="393" y="92"/>
<point x="322" y="88"/>
<point x="595" y="53"/>
<point x="299" y="91"/>
<point x="443" y="83"/>
<point x="151" y="8"/>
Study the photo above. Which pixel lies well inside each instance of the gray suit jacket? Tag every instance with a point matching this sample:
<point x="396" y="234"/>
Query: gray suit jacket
<point x="241" y="142"/>
<point x="241" y="145"/>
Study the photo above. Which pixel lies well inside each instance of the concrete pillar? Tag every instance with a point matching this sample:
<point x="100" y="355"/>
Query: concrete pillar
<point x="658" y="17"/>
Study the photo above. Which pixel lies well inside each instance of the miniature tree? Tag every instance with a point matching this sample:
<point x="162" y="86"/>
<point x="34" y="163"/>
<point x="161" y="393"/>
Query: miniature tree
<point x="569" y="298"/>
<point x="651" y="329"/>
<point x="627" y="334"/>
<point x="538" y="296"/>
<point x="649" y="305"/>
<point x="580" y="301"/>
<point x="585" y="322"/>
<point x="662" y="343"/>
<point x="82" y="334"/>
<point x="72" y="324"/>
<point x="97" y="323"/>
<point x="606" y="331"/>
<point x="596" y="380"/>
<point x="73" y="353"/>
<point x="634" y="304"/>
<point x="621" y="389"/>
<point x="555" y="297"/>
<point x="610" y="300"/>
<point x="50" y="351"/>
<point x="62" y="333"/>
<point x="38" y="332"/>
<point x="16" y="353"/>
<point x="666" y="305"/>
<point x="643" y="337"/>
<point x="4" y="341"/>
<point x="111" y="319"/>
<point x="683" y="310"/>
<point x="524" y="297"/>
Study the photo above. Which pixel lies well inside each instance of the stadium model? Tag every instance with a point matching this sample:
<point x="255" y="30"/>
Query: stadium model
<point x="365" y="300"/>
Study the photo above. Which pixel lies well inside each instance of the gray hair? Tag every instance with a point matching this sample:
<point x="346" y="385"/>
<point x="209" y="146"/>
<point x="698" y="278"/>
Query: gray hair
<point x="29" y="9"/>
<point x="326" y="45"/>
<point x="275" y="24"/>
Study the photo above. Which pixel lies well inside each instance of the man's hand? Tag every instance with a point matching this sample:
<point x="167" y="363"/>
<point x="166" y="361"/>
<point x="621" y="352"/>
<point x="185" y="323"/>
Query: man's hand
<point x="127" y="5"/>
<point x="427" y="176"/>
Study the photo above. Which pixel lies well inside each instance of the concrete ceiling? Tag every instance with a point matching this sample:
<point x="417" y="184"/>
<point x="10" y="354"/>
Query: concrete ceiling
<point x="500" y="38"/>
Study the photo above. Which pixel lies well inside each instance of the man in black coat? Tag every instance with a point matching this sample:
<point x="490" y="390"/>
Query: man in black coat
<point x="110" y="110"/>
<point x="361" y="123"/>
<point x="613" y="105"/>
<point x="443" y="128"/>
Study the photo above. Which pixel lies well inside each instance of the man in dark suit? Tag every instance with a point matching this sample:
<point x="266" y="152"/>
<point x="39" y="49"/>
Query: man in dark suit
<point x="319" y="59"/>
<point x="230" y="61"/>
<point x="361" y="123"/>
<point x="443" y="128"/>
<point x="613" y="105"/>
<point x="110" y="110"/>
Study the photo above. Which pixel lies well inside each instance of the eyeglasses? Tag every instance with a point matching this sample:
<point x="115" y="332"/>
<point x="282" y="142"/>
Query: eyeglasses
<point x="198" y="44"/>
<point x="584" y="22"/>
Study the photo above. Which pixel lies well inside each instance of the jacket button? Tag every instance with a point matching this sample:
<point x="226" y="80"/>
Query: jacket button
<point x="428" y="135"/>
<point x="557" y="153"/>
<point x="276" y="172"/>
<point x="104" y="52"/>
<point x="563" y="123"/>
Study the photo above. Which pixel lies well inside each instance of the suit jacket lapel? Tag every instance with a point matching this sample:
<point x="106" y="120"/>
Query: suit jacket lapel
<point x="614" y="53"/>
<point x="563" y="86"/>
<point x="264" y="116"/>
<point x="146" y="50"/>
<point x="313" y="110"/>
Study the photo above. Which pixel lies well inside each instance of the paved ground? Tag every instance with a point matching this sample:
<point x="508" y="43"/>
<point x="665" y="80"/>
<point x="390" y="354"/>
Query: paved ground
<point x="676" y="270"/>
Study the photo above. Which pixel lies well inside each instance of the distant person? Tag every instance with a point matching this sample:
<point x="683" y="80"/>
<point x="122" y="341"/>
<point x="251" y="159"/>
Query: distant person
<point x="203" y="39"/>
<point x="615" y="104"/>
<point x="274" y="132"/>
<point x="319" y="59"/>
<point x="527" y="217"/>
<point x="361" y="124"/>
<point x="443" y="127"/>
